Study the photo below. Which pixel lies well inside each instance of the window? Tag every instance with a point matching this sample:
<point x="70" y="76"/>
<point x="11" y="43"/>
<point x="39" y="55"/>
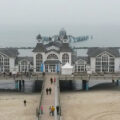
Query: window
<point x="39" y="61"/>
<point x="4" y="64"/>
<point x="104" y="63"/>
<point x="24" y="66"/>
<point x="65" y="58"/>
<point x="80" y="66"/>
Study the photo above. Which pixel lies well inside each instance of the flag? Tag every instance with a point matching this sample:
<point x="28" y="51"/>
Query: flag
<point x="42" y="67"/>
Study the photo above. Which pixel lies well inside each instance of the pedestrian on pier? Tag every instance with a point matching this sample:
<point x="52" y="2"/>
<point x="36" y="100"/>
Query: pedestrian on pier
<point x="54" y="80"/>
<point x="41" y="109"/>
<point x="25" y="102"/>
<point x="57" y="108"/>
<point x="52" y="110"/>
<point x="50" y="90"/>
<point x="51" y="80"/>
<point x="47" y="91"/>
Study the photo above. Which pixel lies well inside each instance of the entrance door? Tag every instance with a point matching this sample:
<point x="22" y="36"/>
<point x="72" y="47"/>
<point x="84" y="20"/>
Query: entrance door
<point x="52" y="68"/>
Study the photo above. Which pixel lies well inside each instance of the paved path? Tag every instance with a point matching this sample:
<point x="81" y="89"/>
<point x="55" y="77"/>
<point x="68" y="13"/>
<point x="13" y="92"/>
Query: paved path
<point x="48" y="100"/>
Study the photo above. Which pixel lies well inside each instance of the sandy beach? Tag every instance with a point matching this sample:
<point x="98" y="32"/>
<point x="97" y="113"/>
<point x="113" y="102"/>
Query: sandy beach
<point x="96" y="104"/>
<point x="12" y="107"/>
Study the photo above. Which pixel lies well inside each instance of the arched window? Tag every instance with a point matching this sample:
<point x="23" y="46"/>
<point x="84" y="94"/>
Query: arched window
<point x="65" y="58"/>
<point x="105" y="63"/>
<point x="24" y="66"/>
<point x="52" y="56"/>
<point x="39" y="60"/>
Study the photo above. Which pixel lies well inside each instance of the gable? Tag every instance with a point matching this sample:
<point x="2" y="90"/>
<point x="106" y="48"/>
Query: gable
<point x="80" y="61"/>
<point x="53" y="48"/>
<point x="105" y="52"/>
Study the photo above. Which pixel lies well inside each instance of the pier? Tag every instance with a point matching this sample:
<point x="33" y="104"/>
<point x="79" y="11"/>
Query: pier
<point x="50" y="99"/>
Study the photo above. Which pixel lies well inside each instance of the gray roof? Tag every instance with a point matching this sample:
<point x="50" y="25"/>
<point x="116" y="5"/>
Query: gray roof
<point x="25" y="52"/>
<point x="92" y="52"/>
<point x="39" y="48"/>
<point x="82" y="52"/>
<point x="30" y="59"/>
<point x="53" y="50"/>
<point x="10" y="52"/>
<point x="53" y="43"/>
<point x="65" y="48"/>
<point x="38" y="37"/>
<point x="85" y="58"/>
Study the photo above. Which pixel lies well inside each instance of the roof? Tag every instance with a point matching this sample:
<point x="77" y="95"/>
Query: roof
<point x="39" y="48"/>
<point x="53" y="43"/>
<point x="10" y="52"/>
<point x="85" y="58"/>
<point x="65" y="48"/>
<point x="53" y="50"/>
<point x="82" y="52"/>
<point x="38" y="37"/>
<point x="25" y="52"/>
<point x="30" y="59"/>
<point x="65" y="37"/>
<point x="93" y="52"/>
<point x="52" y="62"/>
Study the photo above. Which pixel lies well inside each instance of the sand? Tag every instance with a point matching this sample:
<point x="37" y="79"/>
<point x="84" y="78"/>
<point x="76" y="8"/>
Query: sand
<point x="12" y="107"/>
<point x="91" y="105"/>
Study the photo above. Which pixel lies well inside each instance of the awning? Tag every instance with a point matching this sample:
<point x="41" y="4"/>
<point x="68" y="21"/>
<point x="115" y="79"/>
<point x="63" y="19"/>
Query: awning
<point x="52" y="62"/>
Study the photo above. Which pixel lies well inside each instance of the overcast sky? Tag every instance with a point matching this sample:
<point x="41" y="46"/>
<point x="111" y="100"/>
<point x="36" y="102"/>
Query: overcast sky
<point x="22" y="20"/>
<point x="59" y="12"/>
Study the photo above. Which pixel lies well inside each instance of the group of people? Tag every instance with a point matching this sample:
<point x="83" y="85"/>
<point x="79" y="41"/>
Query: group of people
<point x="48" y="90"/>
<point x="53" y="80"/>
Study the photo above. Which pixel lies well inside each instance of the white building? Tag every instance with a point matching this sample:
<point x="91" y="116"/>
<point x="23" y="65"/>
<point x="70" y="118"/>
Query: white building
<point x="50" y="57"/>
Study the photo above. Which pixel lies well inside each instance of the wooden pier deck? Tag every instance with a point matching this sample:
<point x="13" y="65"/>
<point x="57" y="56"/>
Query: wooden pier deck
<point x="48" y="100"/>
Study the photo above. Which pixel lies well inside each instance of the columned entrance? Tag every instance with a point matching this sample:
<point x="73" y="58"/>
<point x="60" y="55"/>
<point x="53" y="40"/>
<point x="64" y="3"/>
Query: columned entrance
<point x="52" y="66"/>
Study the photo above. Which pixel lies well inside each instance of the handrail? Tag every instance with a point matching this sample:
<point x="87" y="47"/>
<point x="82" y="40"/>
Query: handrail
<point x="41" y="97"/>
<point x="59" y="102"/>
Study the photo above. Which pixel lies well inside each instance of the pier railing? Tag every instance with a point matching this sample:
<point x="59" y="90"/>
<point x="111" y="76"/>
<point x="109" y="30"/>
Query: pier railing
<point x="60" y="110"/>
<point x="41" y="97"/>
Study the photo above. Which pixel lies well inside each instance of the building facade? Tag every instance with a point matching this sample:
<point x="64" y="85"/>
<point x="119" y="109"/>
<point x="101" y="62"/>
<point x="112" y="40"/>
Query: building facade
<point x="50" y="57"/>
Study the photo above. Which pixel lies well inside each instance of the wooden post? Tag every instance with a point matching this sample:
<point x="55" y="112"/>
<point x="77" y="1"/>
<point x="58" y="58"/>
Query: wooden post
<point x="86" y="85"/>
<point x="117" y="82"/>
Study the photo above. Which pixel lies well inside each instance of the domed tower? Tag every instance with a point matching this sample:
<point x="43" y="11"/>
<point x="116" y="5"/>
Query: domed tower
<point x="65" y="39"/>
<point x="39" y="38"/>
<point x="62" y="33"/>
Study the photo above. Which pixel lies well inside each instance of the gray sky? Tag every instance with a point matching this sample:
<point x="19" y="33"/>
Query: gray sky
<point x="22" y="20"/>
<point x="59" y="12"/>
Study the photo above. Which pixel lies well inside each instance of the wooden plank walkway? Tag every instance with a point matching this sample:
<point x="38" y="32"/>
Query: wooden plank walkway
<point x="48" y="100"/>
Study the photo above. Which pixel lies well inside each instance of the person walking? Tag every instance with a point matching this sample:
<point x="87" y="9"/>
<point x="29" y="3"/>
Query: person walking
<point x="51" y="80"/>
<point x="25" y="102"/>
<point x="50" y="90"/>
<point x="52" y="110"/>
<point x="41" y="109"/>
<point x="57" y="108"/>
<point x="54" y="80"/>
<point x="47" y="91"/>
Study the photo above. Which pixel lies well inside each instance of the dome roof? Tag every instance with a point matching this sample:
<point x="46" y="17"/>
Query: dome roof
<point x="38" y="37"/>
<point x="62" y="32"/>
